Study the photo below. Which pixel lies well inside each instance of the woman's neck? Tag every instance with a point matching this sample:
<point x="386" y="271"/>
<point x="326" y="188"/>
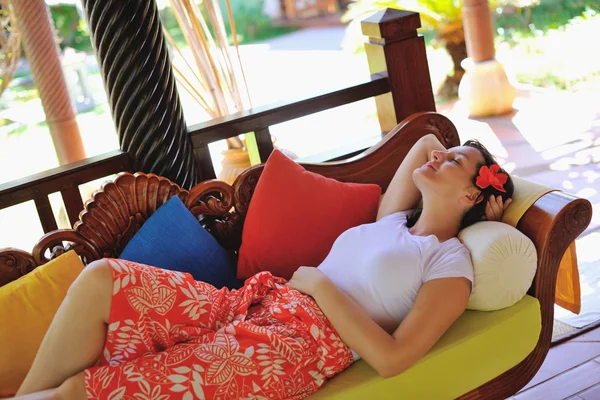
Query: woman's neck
<point x="437" y="220"/>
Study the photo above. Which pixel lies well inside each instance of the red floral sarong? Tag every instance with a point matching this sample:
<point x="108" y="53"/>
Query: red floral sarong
<point x="171" y="337"/>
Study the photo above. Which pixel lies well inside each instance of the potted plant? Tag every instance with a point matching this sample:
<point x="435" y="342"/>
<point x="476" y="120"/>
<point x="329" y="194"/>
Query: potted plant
<point x="442" y="16"/>
<point x="215" y="79"/>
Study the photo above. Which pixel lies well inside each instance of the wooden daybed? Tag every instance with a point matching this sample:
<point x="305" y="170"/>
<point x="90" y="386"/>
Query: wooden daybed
<point x="118" y="210"/>
<point x="403" y="92"/>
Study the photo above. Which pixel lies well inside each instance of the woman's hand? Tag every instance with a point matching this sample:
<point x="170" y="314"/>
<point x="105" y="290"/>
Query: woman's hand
<point x="495" y="208"/>
<point x="308" y="280"/>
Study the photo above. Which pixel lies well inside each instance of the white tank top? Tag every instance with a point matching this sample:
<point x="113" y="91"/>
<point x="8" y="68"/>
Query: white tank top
<point x="382" y="266"/>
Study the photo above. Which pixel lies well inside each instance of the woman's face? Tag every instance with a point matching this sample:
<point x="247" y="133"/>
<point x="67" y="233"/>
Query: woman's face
<point x="449" y="173"/>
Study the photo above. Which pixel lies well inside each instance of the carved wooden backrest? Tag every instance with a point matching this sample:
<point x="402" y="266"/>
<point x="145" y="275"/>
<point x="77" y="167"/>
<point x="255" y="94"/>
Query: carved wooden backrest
<point x="118" y="210"/>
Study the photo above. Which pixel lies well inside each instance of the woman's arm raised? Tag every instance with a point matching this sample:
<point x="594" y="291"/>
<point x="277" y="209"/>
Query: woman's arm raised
<point x="402" y="194"/>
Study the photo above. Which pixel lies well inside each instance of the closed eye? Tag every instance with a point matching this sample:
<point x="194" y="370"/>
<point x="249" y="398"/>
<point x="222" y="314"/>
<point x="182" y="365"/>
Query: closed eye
<point x="456" y="161"/>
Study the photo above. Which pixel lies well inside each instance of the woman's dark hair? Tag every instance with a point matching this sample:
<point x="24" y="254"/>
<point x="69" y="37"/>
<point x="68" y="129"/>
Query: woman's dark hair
<point x="477" y="212"/>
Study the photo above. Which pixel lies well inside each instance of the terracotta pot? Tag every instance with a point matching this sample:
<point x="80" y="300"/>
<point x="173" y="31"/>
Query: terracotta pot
<point x="234" y="162"/>
<point x="485" y="88"/>
<point x="237" y="160"/>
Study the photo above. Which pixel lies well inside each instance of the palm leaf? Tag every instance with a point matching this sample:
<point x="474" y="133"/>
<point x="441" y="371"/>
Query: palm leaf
<point x="434" y="13"/>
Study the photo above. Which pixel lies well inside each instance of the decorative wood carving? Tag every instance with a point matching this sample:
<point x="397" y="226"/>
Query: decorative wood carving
<point x="444" y="129"/>
<point x="244" y="187"/>
<point x="58" y="242"/>
<point x="210" y="197"/>
<point x="117" y="211"/>
<point x="213" y="203"/>
<point x="14" y="263"/>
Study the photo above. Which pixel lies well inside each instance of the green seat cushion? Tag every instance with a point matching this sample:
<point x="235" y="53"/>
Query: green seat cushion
<point x="478" y="347"/>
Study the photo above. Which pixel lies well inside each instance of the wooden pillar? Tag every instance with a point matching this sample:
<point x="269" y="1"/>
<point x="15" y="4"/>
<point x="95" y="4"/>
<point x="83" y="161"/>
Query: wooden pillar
<point x="290" y="9"/>
<point x="43" y="56"/>
<point x="395" y="47"/>
<point x="135" y="65"/>
<point x="479" y="30"/>
<point x="484" y="88"/>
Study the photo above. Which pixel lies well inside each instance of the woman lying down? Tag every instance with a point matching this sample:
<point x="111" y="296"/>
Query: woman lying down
<point x="386" y="293"/>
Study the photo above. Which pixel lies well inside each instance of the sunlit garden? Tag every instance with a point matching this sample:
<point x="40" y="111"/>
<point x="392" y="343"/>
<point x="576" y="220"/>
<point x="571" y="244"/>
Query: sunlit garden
<point x="547" y="45"/>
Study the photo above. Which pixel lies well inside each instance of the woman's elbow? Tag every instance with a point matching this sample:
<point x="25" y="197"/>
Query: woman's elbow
<point x="385" y="373"/>
<point x="388" y="372"/>
<point x="393" y="360"/>
<point x="391" y="369"/>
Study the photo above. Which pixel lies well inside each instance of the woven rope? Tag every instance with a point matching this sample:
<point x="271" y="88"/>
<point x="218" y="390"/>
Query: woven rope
<point x="139" y="81"/>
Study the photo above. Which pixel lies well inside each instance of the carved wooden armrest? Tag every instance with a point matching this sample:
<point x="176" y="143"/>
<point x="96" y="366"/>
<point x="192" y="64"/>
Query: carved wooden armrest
<point x="553" y="222"/>
<point x="15" y="263"/>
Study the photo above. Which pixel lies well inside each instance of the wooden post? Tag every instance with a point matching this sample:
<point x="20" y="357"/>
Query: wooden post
<point x="484" y="88"/>
<point x="395" y="47"/>
<point x="479" y="32"/>
<point x="290" y="9"/>
<point x="140" y="84"/>
<point x="43" y="55"/>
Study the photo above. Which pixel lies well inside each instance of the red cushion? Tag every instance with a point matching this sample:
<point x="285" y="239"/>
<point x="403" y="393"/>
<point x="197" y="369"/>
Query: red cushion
<point x="295" y="216"/>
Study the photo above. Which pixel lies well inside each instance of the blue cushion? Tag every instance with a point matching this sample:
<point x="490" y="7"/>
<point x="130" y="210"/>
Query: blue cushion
<point x="173" y="239"/>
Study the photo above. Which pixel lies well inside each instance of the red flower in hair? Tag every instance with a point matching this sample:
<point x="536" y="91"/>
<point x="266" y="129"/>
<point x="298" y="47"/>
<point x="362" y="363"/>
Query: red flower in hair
<point x="490" y="176"/>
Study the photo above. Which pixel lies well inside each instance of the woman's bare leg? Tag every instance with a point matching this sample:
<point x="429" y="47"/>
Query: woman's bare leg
<point x="76" y="336"/>
<point x="49" y="394"/>
<point x="72" y="389"/>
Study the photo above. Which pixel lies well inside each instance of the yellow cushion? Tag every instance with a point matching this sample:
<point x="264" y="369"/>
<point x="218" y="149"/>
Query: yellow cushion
<point x="27" y="307"/>
<point x="478" y="347"/>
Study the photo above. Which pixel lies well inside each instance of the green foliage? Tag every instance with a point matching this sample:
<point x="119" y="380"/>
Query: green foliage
<point x="546" y="45"/>
<point x="250" y="22"/>
<point x="434" y="13"/>
<point x="70" y="28"/>
<point x="557" y="58"/>
<point x="549" y="14"/>
<point x="167" y="17"/>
